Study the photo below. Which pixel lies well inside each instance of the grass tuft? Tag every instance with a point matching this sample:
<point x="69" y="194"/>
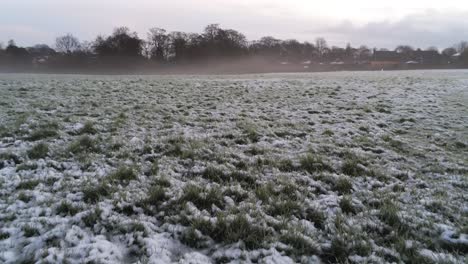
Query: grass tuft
<point x="22" y="196"/>
<point x="192" y="238"/>
<point x="285" y="208"/>
<point x="38" y="151"/>
<point x="352" y="167"/>
<point x="123" y="174"/>
<point x="312" y="164"/>
<point x="92" y="217"/>
<point x="27" y="185"/>
<point x="4" y="235"/>
<point x="88" y="128"/>
<point x="343" y="185"/>
<point x="315" y="216"/>
<point x="65" y="208"/>
<point x="30" y="231"/>
<point x="83" y="144"/>
<point x="213" y="174"/>
<point x="156" y="195"/>
<point x="235" y="230"/>
<point x="286" y="165"/>
<point x="264" y="192"/>
<point x="43" y="133"/>
<point x="346" y="205"/>
<point x="93" y="194"/>
<point x="203" y="199"/>
<point x="389" y="214"/>
<point x="299" y="244"/>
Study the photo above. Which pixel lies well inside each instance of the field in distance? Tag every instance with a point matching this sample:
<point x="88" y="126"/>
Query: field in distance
<point x="358" y="167"/>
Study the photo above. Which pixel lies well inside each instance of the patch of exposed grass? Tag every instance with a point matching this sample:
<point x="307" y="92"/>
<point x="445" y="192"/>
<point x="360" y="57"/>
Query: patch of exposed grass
<point x="403" y="120"/>
<point x="236" y="195"/>
<point x="30" y="231"/>
<point x="313" y="164"/>
<point x="383" y="109"/>
<point x="162" y="181"/>
<point x="364" y="129"/>
<point x="88" y="128"/>
<point x="182" y="148"/>
<point x="328" y="133"/>
<point x="38" y="151"/>
<point x="156" y="195"/>
<point x="93" y="194"/>
<point x="203" y="199"/>
<point x="343" y="185"/>
<point x="394" y="143"/>
<point x="84" y="144"/>
<point x="339" y="250"/>
<point x="43" y="133"/>
<point x="460" y="145"/>
<point x="27" y="185"/>
<point x="284" y="207"/>
<point x="286" y="165"/>
<point x="65" y="208"/>
<point x="389" y="214"/>
<point x="4" y="235"/>
<point x="22" y="196"/>
<point x="245" y="179"/>
<point x="315" y="216"/>
<point x="5" y="131"/>
<point x="25" y="167"/>
<point x="91" y="218"/>
<point x="254" y="151"/>
<point x="154" y="170"/>
<point x="250" y="131"/>
<point x="6" y="156"/>
<point x="232" y="231"/>
<point x="213" y="174"/>
<point x="123" y="175"/>
<point x="346" y="205"/>
<point x="193" y="238"/>
<point x="191" y="192"/>
<point x="298" y="243"/>
<point x="137" y="227"/>
<point x="265" y="192"/>
<point x="262" y="162"/>
<point x="352" y="167"/>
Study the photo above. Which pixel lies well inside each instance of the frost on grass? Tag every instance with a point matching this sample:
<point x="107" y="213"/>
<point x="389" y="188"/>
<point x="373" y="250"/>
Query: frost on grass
<point x="281" y="168"/>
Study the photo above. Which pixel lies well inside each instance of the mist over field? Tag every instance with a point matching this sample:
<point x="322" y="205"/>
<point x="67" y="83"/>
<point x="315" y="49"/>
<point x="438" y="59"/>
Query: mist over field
<point x="216" y="50"/>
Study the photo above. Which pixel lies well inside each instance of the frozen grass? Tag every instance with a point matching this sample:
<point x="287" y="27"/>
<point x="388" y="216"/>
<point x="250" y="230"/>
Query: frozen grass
<point x="38" y="151"/>
<point x="282" y="168"/>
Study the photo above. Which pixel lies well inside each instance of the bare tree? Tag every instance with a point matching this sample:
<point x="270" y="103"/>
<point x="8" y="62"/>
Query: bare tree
<point x="11" y="43"/>
<point x="157" y="44"/>
<point x="321" y="46"/>
<point x="86" y="47"/>
<point x="67" y="44"/>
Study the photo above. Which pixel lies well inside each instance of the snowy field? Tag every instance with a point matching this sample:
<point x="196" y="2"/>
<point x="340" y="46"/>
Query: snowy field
<point x="353" y="167"/>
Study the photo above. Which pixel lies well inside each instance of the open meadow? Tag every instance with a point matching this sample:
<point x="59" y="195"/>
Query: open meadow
<point x="344" y="167"/>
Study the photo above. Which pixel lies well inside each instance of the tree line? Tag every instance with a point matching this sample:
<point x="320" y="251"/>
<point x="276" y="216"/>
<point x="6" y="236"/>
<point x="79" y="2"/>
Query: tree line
<point x="124" y="47"/>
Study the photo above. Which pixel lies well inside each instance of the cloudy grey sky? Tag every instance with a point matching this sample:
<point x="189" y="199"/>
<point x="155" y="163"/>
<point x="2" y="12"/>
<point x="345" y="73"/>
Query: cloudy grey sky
<point x="372" y="22"/>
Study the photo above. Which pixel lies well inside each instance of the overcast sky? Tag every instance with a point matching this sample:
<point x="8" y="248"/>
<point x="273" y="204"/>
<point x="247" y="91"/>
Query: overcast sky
<point x="371" y="22"/>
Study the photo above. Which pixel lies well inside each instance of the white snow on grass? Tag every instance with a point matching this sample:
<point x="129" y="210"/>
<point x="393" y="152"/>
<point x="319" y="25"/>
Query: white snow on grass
<point x="359" y="167"/>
